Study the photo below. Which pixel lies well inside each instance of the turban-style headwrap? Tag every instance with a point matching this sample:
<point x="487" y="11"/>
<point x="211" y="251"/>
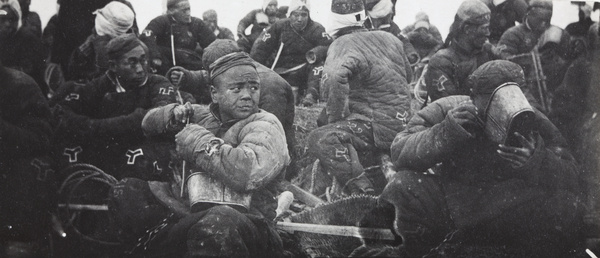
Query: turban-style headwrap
<point x="381" y="9"/>
<point x="296" y="5"/>
<point x="227" y="62"/>
<point x="15" y="7"/>
<point x="120" y="45"/>
<point x="114" y="19"/>
<point x="346" y="13"/>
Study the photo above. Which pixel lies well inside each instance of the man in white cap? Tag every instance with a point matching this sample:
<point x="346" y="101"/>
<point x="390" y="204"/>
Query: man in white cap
<point x="423" y="35"/>
<point x="294" y="36"/>
<point x="90" y="60"/>
<point x="365" y="77"/>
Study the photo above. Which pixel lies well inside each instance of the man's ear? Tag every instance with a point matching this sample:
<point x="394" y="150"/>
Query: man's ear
<point x="213" y="94"/>
<point x="468" y="28"/>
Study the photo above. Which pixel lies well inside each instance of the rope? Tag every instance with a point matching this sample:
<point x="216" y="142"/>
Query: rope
<point x="83" y="173"/>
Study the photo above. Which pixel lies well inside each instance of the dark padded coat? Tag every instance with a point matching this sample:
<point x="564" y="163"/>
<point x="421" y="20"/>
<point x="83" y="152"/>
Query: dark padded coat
<point x="295" y="43"/>
<point x="368" y="82"/>
<point x="105" y="123"/>
<point x="449" y="70"/>
<point x="478" y="184"/>
<point x="27" y="188"/>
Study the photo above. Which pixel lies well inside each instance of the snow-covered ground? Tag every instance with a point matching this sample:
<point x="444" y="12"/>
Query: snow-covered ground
<point x="441" y="12"/>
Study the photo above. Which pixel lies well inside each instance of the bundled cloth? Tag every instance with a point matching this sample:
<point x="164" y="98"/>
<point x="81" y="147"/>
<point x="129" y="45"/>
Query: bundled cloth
<point x="114" y="19"/>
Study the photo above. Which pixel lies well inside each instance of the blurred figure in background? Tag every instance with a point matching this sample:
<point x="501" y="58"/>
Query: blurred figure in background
<point x="177" y="38"/>
<point x="259" y="19"/>
<point x="20" y="49"/>
<point x="423" y="35"/>
<point x="90" y="60"/>
<point x="211" y="20"/>
<point x="581" y="27"/>
<point x="31" y="20"/>
<point x="504" y="15"/>
<point x="286" y="43"/>
<point x="28" y="186"/>
<point x="75" y="23"/>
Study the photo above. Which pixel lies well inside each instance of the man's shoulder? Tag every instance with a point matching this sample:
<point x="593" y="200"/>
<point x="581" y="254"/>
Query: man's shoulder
<point x="159" y="20"/>
<point x="154" y="79"/>
<point x="261" y="116"/>
<point x="197" y="21"/>
<point x="15" y="79"/>
<point x="442" y="57"/>
<point x="516" y="30"/>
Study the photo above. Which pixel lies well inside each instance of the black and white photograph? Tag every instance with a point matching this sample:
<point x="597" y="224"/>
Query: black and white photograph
<point x="299" y="128"/>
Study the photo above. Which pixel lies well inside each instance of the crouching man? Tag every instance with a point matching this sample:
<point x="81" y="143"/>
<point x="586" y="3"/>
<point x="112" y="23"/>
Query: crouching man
<point x="235" y="150"/>
<point x="513" y="187"/>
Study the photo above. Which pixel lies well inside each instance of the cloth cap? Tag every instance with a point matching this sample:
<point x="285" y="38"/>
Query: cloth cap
<point x="381" y="9"/>
<point x="122" y="44"/>
<point x="544" y="4"/>
<point x="486" y="78"/>
<point x="422" y="16"/>
<point x="217" y="49"/>
<point x="15" y="7"/>
<point x="346" y="13"/>
<point x="296" y="5"/>
<point x="114" y="19"/>
<point x="266" y="3"/>
<point x="209" y="14"/>
<point x="474" y="12"/>
<point x="173" y="3"/>
<point x="227" y="62"/>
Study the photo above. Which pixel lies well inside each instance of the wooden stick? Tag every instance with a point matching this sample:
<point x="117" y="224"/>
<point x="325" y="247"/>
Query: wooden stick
<point x="277" y="56"/>
<point x="84" y="207"/>
<point x="349" y="231"/>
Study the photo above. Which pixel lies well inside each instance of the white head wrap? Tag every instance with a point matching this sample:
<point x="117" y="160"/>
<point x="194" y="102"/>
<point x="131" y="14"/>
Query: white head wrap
<point x="114" y="19"/>
<point x="381" y="9"/>
<point x="297" y="5"/>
